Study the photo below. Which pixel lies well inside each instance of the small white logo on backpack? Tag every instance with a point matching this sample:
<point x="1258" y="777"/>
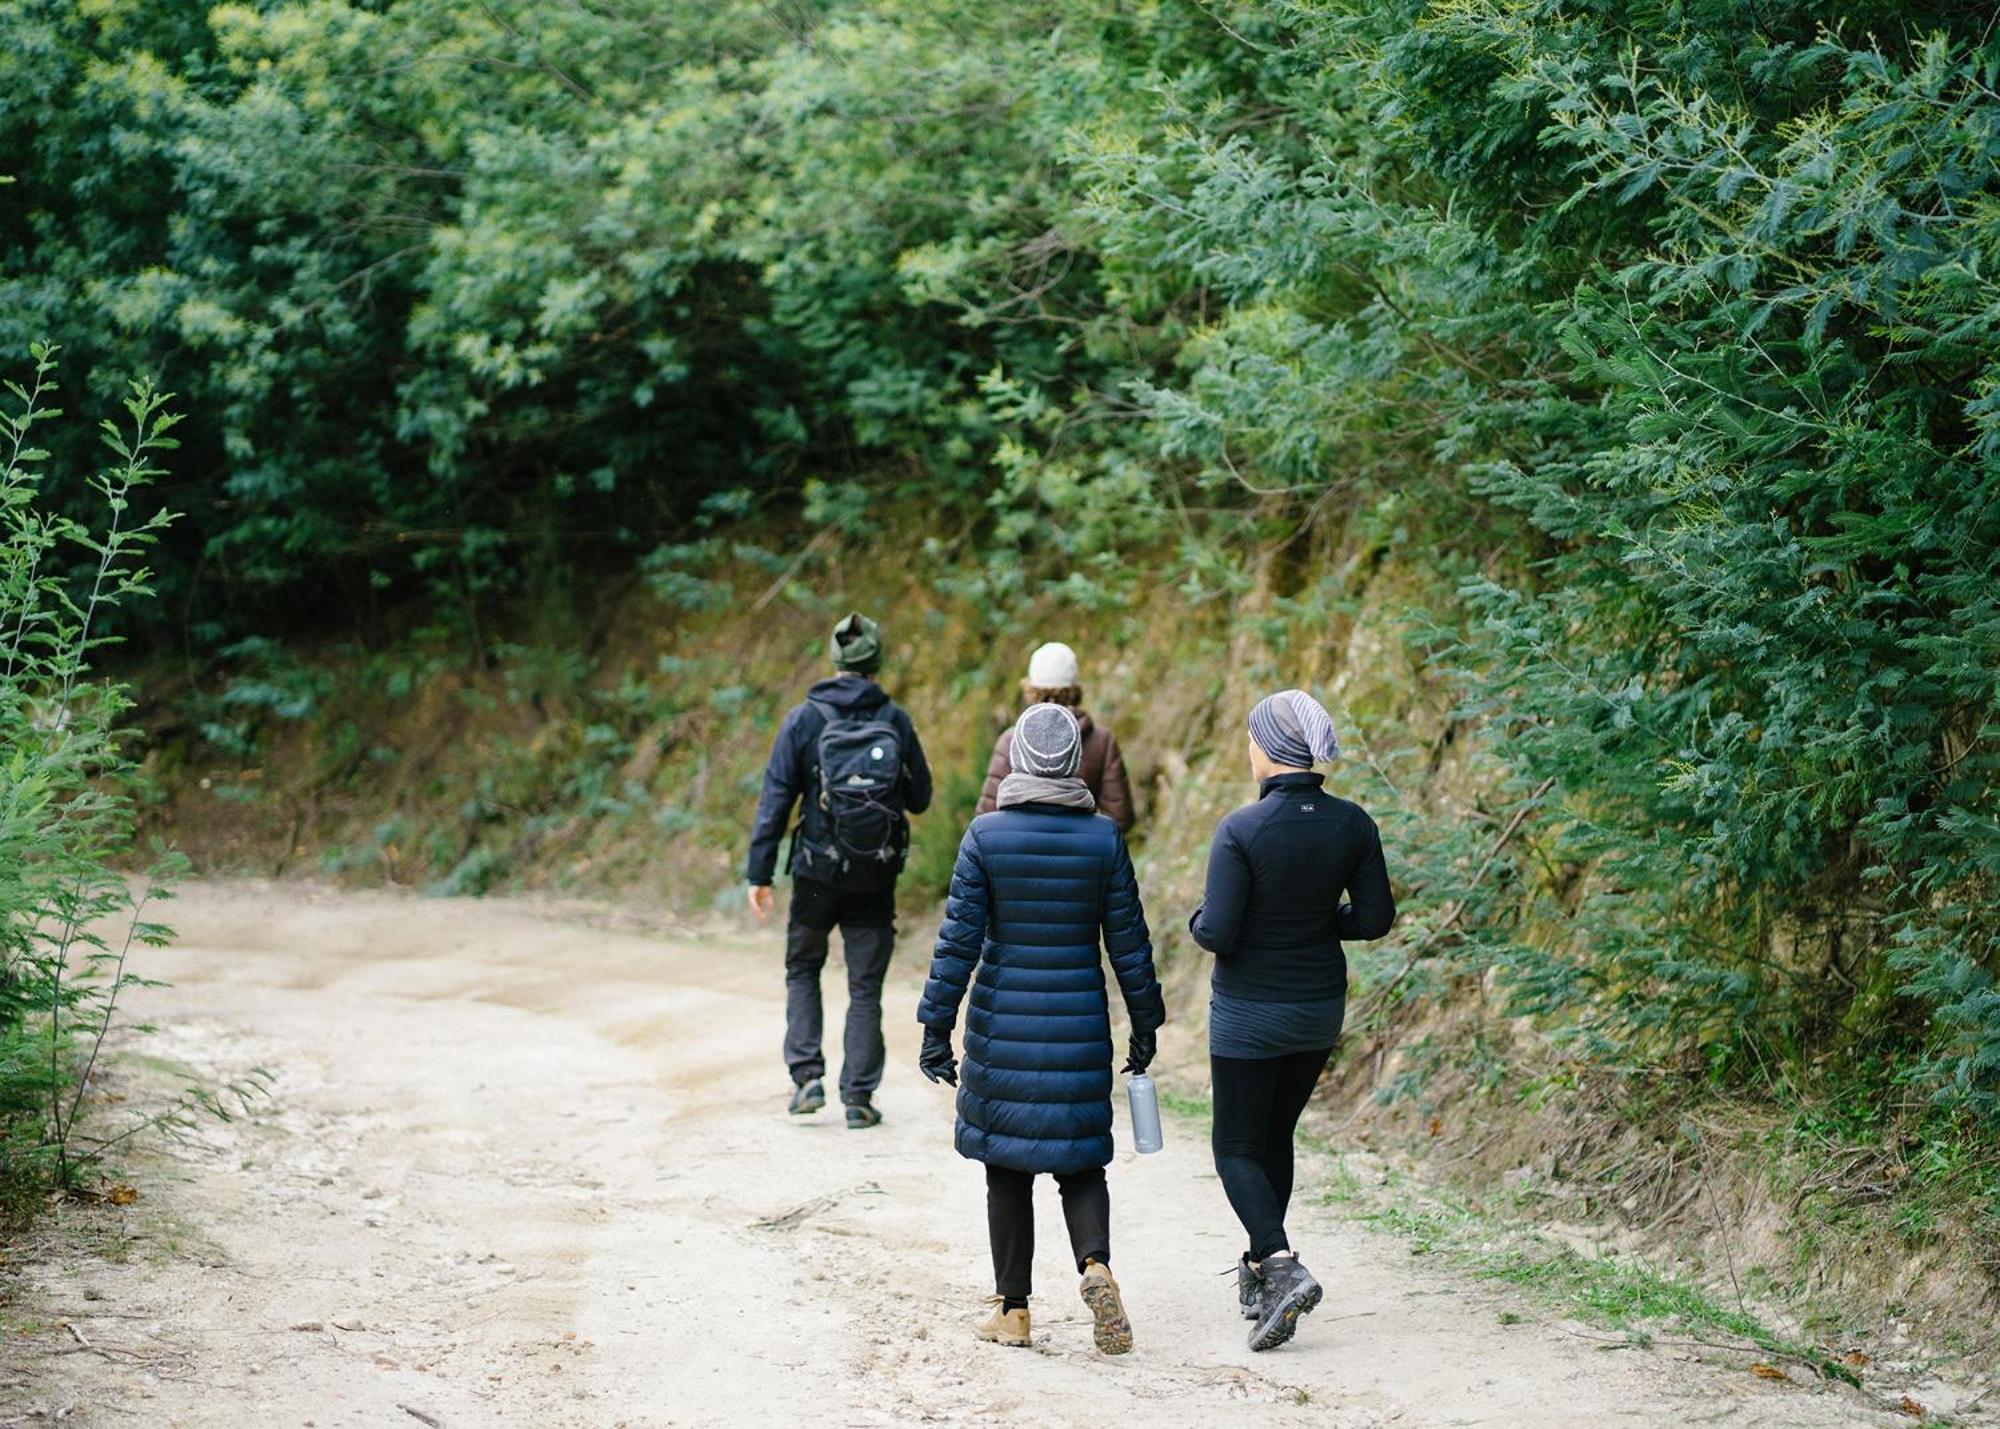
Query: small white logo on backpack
<point x="876" y="752"/>
<point x="1307" y="808"/>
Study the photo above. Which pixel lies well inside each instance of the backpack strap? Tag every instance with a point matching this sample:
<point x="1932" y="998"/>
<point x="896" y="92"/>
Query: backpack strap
<point x="827" y="715"/>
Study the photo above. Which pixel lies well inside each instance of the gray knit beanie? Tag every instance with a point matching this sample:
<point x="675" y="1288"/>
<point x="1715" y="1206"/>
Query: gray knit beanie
<point x="856" y="645"/>
<point x="1046" y="742"/>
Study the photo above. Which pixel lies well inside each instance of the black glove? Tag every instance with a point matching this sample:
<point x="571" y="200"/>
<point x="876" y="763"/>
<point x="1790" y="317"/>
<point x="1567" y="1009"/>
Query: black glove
<point x="1139" y="1050"/>
<point x="936" y="1061"/>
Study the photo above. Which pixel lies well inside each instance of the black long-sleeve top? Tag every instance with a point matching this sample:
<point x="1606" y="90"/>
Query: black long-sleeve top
<point x="1289" y="877"/>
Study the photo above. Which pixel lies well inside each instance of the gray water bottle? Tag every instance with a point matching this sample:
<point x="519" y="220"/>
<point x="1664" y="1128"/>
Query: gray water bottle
<point x="1145" y="1100"/>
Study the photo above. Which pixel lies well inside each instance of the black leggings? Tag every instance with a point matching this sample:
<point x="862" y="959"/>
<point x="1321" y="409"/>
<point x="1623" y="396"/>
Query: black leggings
<point x="1010" y="1222"/>
<point x="1258" y="1101"/>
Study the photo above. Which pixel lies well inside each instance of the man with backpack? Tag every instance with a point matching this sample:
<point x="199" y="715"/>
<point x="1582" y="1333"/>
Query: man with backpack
<point x="850" y="758"/>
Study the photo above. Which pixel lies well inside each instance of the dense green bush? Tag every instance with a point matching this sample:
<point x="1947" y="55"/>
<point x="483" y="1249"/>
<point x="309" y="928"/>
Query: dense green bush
<point x="1765" y="649"/>
<point x="469" y="295"/>
<point x="68" y="915"/>
<point x="1671" y="334"/>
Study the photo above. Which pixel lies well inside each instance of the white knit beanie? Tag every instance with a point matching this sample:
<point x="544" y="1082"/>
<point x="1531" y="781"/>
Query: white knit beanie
<point x="1052" y="667"/>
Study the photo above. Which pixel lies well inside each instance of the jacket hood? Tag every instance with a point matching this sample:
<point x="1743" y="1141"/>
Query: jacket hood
<point x="849" y="692"/>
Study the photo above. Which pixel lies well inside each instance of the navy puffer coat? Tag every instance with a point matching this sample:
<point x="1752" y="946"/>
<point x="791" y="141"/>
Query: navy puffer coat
<point x="1034" y="887"/>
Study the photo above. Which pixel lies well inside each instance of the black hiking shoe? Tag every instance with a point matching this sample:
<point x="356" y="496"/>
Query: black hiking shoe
<point x="861" y="1115"/>
<point x="808" y="1097"/>
<point x="1249" y="1288"/>
<point x="1289" y="1291"/>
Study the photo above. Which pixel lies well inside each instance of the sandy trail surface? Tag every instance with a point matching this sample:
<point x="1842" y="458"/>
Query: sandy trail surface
<point x="522" y="1166"/>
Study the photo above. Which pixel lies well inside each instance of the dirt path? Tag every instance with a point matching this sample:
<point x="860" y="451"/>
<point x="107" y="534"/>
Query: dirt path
<point x="520" y="1170"/>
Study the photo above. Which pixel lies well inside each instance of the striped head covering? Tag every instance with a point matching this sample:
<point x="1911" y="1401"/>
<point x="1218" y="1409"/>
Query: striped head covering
<point x="1294" y="729"/>
<point x="1047" y="742"/>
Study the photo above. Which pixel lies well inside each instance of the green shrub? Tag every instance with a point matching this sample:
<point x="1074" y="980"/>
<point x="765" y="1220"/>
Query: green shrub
<point x="69" y="915"/>
<point x="1670" y="333"/>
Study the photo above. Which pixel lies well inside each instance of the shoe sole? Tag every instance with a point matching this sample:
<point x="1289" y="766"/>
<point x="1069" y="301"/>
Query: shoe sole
<point x="807" y="1108"/>
<point x="1283" y="1325"/>
<point x="862" y="1124"/>
<point x="1109" y="1327"/>
<point x="1007" y="1341"/>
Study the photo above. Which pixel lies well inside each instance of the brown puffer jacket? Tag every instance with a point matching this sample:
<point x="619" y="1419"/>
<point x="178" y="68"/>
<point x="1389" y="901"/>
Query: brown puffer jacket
<point x="1103" y="772"/>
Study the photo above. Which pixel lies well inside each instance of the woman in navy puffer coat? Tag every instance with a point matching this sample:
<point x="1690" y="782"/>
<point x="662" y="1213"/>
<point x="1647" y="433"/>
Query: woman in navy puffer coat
<point x="1037" y="882"/>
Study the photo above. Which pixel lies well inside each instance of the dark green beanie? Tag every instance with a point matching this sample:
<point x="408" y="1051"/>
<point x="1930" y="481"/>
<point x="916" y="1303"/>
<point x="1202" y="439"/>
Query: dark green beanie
<point x="856" y="645"/>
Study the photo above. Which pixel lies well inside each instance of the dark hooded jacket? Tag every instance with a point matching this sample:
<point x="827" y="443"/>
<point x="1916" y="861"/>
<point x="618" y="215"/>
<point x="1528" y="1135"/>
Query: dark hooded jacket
<point x="792" y="774"/>
<point x="1103" y="772"/>
<point x="1035" y="888"/>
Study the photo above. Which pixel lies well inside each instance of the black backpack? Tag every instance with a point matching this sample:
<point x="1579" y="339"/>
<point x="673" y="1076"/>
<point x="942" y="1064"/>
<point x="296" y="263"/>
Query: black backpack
<point x="859" y="832"/>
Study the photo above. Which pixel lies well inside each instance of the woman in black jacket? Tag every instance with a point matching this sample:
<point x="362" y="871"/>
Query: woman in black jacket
<point x="1289" y="877"/>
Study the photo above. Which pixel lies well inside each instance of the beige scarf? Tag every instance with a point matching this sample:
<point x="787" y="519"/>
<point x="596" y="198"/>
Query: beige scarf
<point x="1071" y="793"/>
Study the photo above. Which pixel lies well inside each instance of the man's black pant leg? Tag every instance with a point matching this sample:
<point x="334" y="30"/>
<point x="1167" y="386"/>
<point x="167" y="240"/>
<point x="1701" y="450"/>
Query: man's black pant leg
<point x="868" y="948"/>
<point x="805" y="956"/>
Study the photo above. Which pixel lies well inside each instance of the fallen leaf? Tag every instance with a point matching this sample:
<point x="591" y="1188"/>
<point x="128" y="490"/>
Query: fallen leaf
<point x="1768" y="1371"/>
<point x="122" y="1195"/>
<point x="1855" y="1357"/>
<point x="1437" y="1126"/>
<point x="1910" y="1407"/>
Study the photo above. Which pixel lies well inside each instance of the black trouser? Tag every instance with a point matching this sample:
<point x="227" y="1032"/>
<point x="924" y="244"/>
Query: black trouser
<point x="1010" y="1222"/>
<point x="867" y="923"/>
<point x="1258" y="1101"/>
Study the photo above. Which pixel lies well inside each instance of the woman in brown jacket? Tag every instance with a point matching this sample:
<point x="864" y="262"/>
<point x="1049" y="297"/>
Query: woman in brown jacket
<point x="1052" y="679"/>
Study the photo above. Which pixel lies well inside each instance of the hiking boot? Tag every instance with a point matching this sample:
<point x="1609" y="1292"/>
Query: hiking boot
<point x="861" y="1115"/>
<point x="808" y="1097"/>
<point x="1288" y="1292"/>
<point x="1004" y="1326"/>
<point x="1249" y="1288"/>
<point x="1110" y="1328"/>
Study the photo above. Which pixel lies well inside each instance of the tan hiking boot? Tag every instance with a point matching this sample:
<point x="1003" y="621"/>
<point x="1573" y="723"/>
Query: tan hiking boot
<point x="1004" y="1327"/>
<point x="1111" y="1329"/>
